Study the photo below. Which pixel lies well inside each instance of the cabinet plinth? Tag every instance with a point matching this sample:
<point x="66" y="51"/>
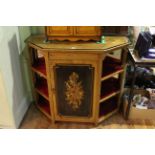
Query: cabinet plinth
<point x="77" y="82"/>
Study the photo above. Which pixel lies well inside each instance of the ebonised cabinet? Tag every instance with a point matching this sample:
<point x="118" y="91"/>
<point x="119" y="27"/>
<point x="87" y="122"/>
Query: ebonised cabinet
<point x="78" y="82"/>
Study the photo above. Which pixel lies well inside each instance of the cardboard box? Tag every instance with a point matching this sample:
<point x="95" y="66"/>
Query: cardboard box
<point x="136" y="113"/>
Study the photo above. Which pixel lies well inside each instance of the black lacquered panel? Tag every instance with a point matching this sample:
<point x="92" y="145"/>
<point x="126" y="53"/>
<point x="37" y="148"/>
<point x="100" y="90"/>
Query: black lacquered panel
<point x="74" y="89"/>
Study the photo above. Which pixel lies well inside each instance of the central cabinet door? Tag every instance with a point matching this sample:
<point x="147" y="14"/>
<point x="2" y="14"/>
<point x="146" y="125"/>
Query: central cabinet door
<point x="73" y="92"/>
<point x="74" y="89"/>
<point x="60" y="30"/>
<point x="87" y="31"/>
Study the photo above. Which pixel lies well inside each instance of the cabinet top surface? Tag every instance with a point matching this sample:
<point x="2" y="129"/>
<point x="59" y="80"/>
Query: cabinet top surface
<point x="111" y="42"/>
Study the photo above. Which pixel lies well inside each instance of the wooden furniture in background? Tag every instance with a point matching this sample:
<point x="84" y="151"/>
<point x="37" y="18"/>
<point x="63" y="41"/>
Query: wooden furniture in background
<point x="77" y="81"/>
<point x="115" y="30"/>
<point x="73" y="33"/>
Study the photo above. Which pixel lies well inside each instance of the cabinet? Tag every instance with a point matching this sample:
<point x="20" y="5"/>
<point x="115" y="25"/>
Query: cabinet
<point x="77" y="82"/>
<point x="87" y="31"/>
<point x="115" y="30"/>
<point x="73" y="33"/>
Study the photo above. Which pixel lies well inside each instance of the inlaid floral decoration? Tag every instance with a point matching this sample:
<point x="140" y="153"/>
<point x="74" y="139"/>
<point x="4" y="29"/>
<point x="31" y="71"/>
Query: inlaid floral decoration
<point x="74" y="91"/>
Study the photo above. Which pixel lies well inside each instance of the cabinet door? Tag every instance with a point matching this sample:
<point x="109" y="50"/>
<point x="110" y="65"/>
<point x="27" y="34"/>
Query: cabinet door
<point x="87" y="31"/>
<point x="59" y="30"/>
<point x="74" y="84"/>
<point x="74" y="90"/>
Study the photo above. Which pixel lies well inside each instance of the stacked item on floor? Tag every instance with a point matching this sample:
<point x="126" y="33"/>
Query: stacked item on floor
<point x="144" y="101"/>
<point x="143" y="104"/>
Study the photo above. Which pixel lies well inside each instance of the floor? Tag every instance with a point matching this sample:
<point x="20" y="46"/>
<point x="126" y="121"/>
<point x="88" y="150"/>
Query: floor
<point x="34" y="119"/>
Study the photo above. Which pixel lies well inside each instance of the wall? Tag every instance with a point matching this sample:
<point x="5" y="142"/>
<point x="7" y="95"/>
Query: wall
<point x="37" y="29"/>
<point x="6" y="117"/>
<point x="24" y="33"/>
<point x="14" y="97"/>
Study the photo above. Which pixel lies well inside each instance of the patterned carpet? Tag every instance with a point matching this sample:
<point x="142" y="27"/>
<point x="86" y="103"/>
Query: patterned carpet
<point x="34" y="119"/>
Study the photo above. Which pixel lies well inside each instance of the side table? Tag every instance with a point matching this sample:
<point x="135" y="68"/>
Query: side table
<point x="136" y="61"/>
